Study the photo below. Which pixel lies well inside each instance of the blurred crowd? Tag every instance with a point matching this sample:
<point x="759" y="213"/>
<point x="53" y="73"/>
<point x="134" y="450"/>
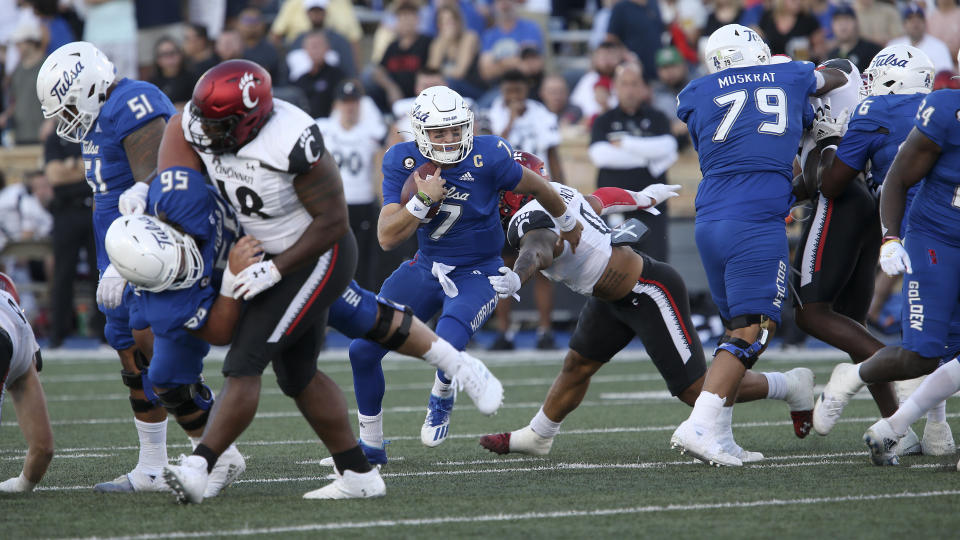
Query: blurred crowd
<point x="601" y="73"/>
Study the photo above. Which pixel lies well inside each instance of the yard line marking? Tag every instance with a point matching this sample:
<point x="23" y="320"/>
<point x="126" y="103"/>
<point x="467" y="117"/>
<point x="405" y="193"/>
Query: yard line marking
<point x="318" y="461"/>
<point x="62" y="456"/>
<point x="485" y="461"/>
<point x="651" y="509"/>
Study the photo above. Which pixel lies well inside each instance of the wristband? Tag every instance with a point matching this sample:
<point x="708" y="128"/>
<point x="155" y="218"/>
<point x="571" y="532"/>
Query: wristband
<point x="424" y="198"/>
<point x="567" y="221"/>
<point x="890" y="238"/>
<point x="226" y="284"/>
<point x="417" y="208"/>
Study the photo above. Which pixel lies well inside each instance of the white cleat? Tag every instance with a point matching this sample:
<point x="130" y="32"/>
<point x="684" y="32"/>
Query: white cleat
<point x="229" y="466"/>
<point x="702" y="444"/>
<point x="480" y="384"/>
<point x="436" y="426"/>
<point x="844" y="383"/>
<point x="882" y="442"/>
<point x="351" y="485"/>
<point x="731" y="447"/>
<point x="938" y="439"/>
<point x="187" y="480"/>
<point x="135" y="481"/>
<point x="909" y="444"/>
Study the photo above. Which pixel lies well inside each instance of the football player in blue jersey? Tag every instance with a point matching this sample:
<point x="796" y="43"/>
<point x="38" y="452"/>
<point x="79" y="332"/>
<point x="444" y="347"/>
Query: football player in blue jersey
<point x="458" y="248"/>
<point x="898" y="79"/>
<point x="120" y="124"/>
<point x="745" y="119"/>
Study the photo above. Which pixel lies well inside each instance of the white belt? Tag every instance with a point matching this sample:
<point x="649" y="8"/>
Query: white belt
<point x="441" y="270"/>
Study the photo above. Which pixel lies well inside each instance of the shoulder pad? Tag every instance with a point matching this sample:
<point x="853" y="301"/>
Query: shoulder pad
<point x="526" y="220"/>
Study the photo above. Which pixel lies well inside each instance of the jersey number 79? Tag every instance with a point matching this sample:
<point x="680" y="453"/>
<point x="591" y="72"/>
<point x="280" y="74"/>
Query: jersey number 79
<point x="768" y="101"/>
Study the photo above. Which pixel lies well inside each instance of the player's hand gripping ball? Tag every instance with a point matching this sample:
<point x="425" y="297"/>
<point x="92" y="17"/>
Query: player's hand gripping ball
<point x="426" y="179"/>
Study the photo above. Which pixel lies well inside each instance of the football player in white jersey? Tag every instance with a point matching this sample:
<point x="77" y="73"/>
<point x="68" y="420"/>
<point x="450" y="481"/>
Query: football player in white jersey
<point x="631" y="295"/>
<point x="354" y="143"/>
<point x="19" y="363"/>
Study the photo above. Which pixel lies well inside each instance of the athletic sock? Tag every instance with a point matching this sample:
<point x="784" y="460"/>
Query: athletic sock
<point x="352" y="460"/>
<point x="206" y="453"/>
<point x="442" y="389"/>
<point x="442" y="356"/>
<point x="706" y="410"/>
<point x="194" y="441"/>
<point x="938" y="413"/>
<point x="938" y="386"/>
<point x="776" y="385"/>
<point x="153" y="446"/>
<point x="371" y="429"/>
<point x="543" y="426"/>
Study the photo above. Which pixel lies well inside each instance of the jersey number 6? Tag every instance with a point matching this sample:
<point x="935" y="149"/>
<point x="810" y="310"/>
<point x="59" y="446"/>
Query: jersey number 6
<point x="768" y="101"/>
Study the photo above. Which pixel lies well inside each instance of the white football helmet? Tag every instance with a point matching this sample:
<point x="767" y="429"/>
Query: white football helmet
<point x="440" y="107"/>
<point x="735" y="45"/>
<point x="72" y="86"/>
<point x="153" y="255"/>
<point x="898" y="69"/>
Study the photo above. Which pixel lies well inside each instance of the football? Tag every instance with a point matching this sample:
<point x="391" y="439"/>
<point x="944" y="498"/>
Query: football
<point x="410" y="186"/>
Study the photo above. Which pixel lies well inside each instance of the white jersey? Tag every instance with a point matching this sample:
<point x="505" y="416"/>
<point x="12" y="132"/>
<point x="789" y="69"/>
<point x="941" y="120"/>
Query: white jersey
<point x="581" y="270"/>
<point x="354" y="150"/>
<point x="258" y="180"/>
<point x="840" y="99"/>
<point x="14" y="322"/>
<point x="536" y="131"/>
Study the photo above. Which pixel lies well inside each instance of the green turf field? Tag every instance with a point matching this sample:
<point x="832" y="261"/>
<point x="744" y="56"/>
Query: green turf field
<point x="611" y="471"/>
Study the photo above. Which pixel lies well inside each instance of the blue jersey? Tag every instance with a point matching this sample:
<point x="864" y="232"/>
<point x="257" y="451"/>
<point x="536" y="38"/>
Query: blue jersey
<point x="936" y="207"/>
<point x="131" y="105"/>
<point x="746" y="124"/>
<point x="467" y="229"/>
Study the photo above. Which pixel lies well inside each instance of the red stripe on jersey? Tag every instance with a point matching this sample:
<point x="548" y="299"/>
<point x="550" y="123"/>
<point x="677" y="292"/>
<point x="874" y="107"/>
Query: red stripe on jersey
<point x="673" y="305"/>
<point x="316" y="292"/>
<point x="823" y="236"/>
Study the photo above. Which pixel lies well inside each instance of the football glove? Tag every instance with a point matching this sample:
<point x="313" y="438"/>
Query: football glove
<point x="894" y="259"/>
<point x="255" y="279"/>
<point x="649" y="197"/>
<point x="826" y="125"/>
<point x="134" y="199"/>
<point x="110" y="288"/>
<point x="506" y="285"/>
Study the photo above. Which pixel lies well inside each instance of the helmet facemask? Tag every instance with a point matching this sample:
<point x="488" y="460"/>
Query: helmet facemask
<point x="445" y="152"/>
<point x="212" y="135"/>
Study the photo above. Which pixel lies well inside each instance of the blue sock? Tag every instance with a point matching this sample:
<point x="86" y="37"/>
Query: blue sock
<point x="368" y="383"/>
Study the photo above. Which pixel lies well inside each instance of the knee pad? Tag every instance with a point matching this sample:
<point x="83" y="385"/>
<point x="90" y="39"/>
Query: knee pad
<point x="132" y="380"/>
<point x="381" y="329"/>
<point x="747" y="353"/>
<point x="186" y="399"/>
<point x="744" y="321"/>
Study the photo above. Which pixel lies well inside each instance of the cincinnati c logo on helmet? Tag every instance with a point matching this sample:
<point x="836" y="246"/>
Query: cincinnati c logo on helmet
<point x="246" y="83"/>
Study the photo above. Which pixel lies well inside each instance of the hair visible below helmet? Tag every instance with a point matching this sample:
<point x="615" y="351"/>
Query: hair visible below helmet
<point x="510" y="202"/>
<point x="72" y="87"/>
<point x="898" y="69"/>
<point x="735" y="45"/>
<point x="231" y="102"/>
<point x="6" y="284"/>
<point x="152" y="255"/>
<point x="439" y="107"/>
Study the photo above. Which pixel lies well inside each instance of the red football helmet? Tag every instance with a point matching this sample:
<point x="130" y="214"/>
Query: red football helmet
<point x="231" y="102"/>
<point x="946" y="79"/>
<point x="510" y="202"/>
<point x="6" y="284"/>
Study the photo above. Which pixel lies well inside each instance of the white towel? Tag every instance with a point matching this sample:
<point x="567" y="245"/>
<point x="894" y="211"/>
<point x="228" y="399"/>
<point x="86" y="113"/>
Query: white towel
<point x="441" y="270"/>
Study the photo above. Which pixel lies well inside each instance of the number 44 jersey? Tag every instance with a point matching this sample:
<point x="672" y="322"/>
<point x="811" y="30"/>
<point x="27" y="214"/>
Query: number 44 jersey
<point x="746" y="124"/>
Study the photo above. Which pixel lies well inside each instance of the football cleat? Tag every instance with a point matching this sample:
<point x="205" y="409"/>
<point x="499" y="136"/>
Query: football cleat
<point x="702" y="444"/>
<point x="910" y="444"/>
<point x="188" y="481"/>
<point x="436" y="426"/>
<point x="882" y="442"/>
<point x="800" y="398"/>
<point x="351" y="485"/>
<point x="482" y="386"/>
<point x="844" y="383"/>
<point x="731" y="447"/>
<point x="376" y="456"/>
<point x="938" y="439"/>
<point x="135" y="481"/>
<point x="521" y="441"/>
<point x="229" y="466"/>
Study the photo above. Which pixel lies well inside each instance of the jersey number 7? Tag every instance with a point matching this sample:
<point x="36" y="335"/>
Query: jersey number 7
<point x="768" y="101"/>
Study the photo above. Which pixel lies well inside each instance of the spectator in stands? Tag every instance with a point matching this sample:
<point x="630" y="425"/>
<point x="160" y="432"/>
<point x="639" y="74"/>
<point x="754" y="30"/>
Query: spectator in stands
<point x="336" y="16"/>
<point x="342" y="53"/>
<point x="22" y="212"/>
<point x="593" y="93"/>
<point x="638" y="26"/>
<point x="257" y="48"/>
<point x="406" y="55"/>
<point x="555" y="96"/>
<point x="689" y="19"/>
<point x="533" y="66"/>
<point x="321" y="81"/>
<point x="455" y="52"/>
<point x="672" y="77"/>
<point x="849" y="44"/>
<point x="915" y="25"/>
<point x="198" y="50"/>
<point x="945" y="25"/>
<point x="601" y="21"/>
<point x="170" y="73"/>
<point x="879" y="21"/>
<point x="57" y="31"/>
<point x="155" y="19"/>
<point x="402" y="130"/>
<point x="632" y="147"/>
<point x="790" y="29"/>
<point x="823" y="10"/>
<point x="72" y="211"/>
<point x="111" y="25"/>
<point x="23" y="112"/>
<point x="471" y="18"/>
<point x="501" y="44"/>
<point x="732" y="12"/>
<point x="229" y="45"/>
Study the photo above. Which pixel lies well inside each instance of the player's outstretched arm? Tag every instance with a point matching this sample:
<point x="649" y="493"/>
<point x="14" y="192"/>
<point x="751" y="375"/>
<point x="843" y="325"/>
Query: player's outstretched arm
<point x="536" y="185"/>
<point x="536" y="253"/>
<point x="31" y="407"/>
<point x="914" y="160"/>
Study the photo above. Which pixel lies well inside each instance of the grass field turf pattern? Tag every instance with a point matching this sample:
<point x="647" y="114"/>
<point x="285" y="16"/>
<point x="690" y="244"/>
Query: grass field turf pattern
<point x="611" y="471"/>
